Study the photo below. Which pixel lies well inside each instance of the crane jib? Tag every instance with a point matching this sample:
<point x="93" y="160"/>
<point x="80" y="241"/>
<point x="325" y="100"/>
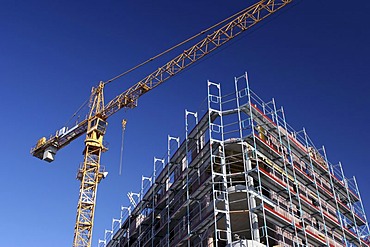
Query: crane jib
<point x="128" y="99"/>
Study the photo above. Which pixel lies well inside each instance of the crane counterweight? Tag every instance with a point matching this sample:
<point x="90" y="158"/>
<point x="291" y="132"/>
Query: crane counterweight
<point x="49" y="154"/>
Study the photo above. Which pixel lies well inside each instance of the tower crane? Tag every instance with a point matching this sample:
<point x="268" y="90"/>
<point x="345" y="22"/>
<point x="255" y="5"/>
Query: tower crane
<point x="95" y="124"/>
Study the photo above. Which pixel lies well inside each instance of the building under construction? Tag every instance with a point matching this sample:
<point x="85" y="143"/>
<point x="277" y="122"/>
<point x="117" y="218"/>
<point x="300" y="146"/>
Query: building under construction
<point x="242" y="177"/>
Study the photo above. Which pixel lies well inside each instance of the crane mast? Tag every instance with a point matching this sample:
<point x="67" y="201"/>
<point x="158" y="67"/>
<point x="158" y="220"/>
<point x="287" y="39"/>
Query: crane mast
<point x="95" y="124"/>
<point x="90" y="172"/>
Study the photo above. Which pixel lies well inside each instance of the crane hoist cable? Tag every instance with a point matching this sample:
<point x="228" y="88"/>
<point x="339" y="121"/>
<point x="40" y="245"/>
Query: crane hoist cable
<point x="124" y="122"/>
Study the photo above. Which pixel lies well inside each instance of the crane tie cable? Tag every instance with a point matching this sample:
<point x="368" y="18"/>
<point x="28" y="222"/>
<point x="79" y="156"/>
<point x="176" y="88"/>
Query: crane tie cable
<point x="76" y="112"/>
<point x="174" y="47"/>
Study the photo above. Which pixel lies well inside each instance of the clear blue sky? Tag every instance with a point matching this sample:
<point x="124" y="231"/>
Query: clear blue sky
<point x="314" y="58"/>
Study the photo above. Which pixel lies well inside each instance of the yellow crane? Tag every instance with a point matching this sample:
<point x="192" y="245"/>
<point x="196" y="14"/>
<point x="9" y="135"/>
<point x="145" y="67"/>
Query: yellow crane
<point x="95" y="124"/>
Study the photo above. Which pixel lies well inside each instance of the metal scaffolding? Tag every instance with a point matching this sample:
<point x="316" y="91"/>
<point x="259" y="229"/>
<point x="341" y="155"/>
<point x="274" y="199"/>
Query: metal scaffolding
<point x="242" y="177"/>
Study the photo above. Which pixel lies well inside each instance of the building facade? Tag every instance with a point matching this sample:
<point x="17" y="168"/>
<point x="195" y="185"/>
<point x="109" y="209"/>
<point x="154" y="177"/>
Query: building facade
<point x="242" y="177"/>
